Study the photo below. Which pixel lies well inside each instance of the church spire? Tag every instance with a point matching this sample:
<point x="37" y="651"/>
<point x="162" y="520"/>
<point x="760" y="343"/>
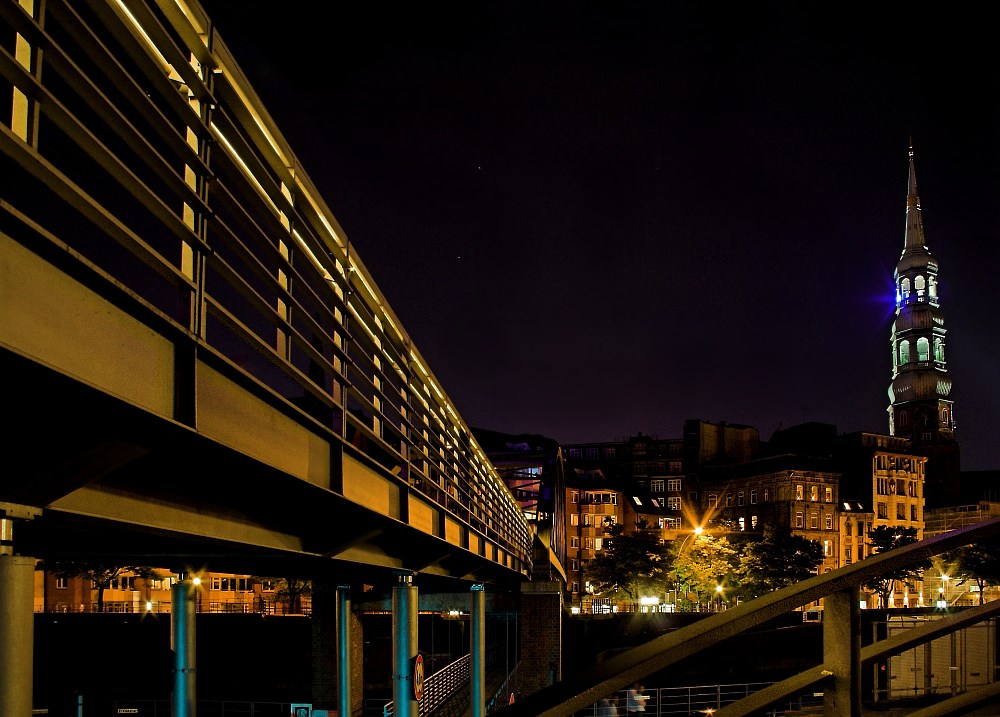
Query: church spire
<point x="914" y="237"/>
<point x="920" y="407"/>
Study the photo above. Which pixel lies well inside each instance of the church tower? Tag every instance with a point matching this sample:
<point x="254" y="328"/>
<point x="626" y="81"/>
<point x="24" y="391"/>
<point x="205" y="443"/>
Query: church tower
<point x="920" y="407"/>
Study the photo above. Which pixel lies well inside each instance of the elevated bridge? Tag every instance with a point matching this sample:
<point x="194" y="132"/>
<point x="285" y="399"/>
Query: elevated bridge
<point x="200" y="371"/>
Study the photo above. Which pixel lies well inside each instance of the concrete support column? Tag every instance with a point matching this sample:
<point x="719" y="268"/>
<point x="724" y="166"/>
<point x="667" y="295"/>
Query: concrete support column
<point x="842" y="653"/>
<point x="183" y="599"/>
<point x="324" y="644"/>
<point x="404" y="646"/>
<point x="344" y="650"/>
<point x="17" y="633"/>
<point x="477" y="649"/>
<point x="541" y="635"/>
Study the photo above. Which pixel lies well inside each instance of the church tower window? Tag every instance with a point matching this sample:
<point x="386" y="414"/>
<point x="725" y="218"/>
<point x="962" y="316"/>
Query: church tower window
<point x="938" y="350"/>
<point x="904" y="352"/>
<point x="906" y="289"/>
<point x="920" y="285"/>
<point x="923" y="349"/>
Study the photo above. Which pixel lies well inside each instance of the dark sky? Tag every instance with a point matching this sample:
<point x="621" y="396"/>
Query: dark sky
<point x="596" y="219"/>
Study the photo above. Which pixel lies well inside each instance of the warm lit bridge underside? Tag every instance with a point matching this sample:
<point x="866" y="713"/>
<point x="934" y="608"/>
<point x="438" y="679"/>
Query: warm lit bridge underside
<point x="199" y="367"/>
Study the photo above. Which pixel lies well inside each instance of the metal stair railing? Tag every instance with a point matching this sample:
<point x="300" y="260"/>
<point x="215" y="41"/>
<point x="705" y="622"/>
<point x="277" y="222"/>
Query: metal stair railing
<point x="439" y="686"/>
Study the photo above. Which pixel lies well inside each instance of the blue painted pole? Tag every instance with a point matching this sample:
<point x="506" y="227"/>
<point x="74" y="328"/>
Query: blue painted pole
<point x="404" y="646"/>
<point x="182" y="642"/>
<point x="477" y="648"/>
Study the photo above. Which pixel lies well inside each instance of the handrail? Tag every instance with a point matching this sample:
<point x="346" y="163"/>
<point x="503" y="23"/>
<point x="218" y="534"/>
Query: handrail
<point x="200" y="219"/>
<point x="439" y="686"/>
<point x="564" y="698"/>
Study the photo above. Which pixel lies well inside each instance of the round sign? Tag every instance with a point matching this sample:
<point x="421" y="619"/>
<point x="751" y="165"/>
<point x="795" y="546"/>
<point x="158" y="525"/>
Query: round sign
<point x="418" y="677"/>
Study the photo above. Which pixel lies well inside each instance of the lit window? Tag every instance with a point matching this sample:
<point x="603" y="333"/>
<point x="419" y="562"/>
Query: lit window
<point x="813" y="521"/>
<point x="598" y="542"/>
<point x="798" y="519"/>
<point x="829" y="494"/>
<point x="743" y="523"/>
<point x="753" y="521"/>
<point x="674" y="485"/>
<point x="574" y="564"/>
<point x="60" y="583"/>
<point x="904" y="352"/>
<point x="657" y="485"/>
<point x="827" y="547"/>
<point x="674" y="502"/>
<point x="799" y="492"/>
<point x="574" y="542"/>
<point x="829" y="521"/>
<point x="814" y="493"/>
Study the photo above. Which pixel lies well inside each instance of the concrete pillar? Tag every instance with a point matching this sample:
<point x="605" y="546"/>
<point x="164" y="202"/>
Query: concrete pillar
<point x="344" y="692"/>
<point x="541" y="635"/>
<point x="183" y="599"/>
<point x="842" y="653"/>
<point x="17" y="633"/>
<point x="404" y="646"/>
<point x="477" y="650"/>
<point x="324" y="644"/>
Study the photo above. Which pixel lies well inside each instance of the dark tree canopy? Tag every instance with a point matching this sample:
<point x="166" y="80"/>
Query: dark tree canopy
<point x="883" y="538"/>
<point x="776" y="560"/>
<point x="630" y="562"/>
<point x="101" y="574"/>
<point x="979" y="563"/>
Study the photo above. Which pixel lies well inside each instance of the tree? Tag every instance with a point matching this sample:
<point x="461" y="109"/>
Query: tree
<point x="882" y="539"/>
<point x="704" y="564"/>
<point x="979" y="563"/>
<point x="291" y="591"/>
<point x="631" y="562"/>
<point x="101" y="574"/>
<point x="778" y="559"/>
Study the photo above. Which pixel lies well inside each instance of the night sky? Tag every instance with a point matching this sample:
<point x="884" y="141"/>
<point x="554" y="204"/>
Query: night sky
<point x="596" y="219"/>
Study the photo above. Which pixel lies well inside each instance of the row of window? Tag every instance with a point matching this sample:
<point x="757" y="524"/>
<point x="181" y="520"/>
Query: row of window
<point x="897" y="486"/>
<point x="589" y="543"/>
<point x="920" y="288"/>
<point x="595" y="497"/>
<point x="740" y="496"/>
<point x="814" y="519"/>
<point x="923" y="351"/>
<point x="673" y="485"/>
<point x="882" y="511"/>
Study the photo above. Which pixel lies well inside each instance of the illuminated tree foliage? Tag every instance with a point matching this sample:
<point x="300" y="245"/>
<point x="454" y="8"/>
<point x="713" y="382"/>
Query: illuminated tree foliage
<point x="703" y="562"/>
<point x="778" y="559"/>
<point x="633" y="563"/>
<point x="978" y="563"/>
<point x="882" y="539"/>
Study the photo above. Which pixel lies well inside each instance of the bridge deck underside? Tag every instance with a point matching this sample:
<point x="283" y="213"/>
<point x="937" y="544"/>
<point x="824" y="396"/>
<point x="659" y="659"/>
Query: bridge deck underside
<point x="120" y="484"/>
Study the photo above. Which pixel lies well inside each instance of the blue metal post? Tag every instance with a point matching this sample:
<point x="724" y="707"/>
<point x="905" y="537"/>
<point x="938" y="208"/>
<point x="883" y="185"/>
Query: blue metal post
<point x="344" y="650"/>
<point x="182" y="642"/>
<point x="404" y="646"/>
<point x="477" y="648"/>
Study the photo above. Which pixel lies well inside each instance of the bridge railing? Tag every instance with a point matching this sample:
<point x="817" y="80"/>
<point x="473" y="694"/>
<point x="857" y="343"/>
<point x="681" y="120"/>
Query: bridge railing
<point x="137" y="158"/>
<point x="839" y="674"/>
